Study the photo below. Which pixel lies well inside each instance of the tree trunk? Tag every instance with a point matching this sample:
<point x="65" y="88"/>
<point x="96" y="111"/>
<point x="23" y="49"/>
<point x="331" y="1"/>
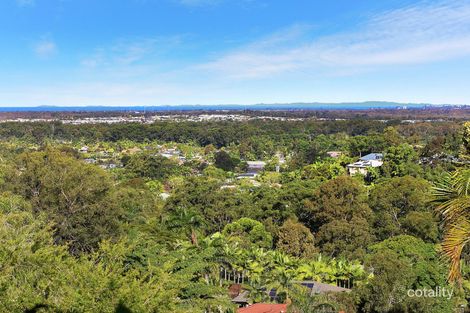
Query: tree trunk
<point x="194" y="238"/>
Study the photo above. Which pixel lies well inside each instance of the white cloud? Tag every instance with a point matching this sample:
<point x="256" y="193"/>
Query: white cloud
<point x="25" y="3"/>
<point x="428" y="32"/>
<point x="94" y="60"/>
<point x="45" y="48"/>
<point x="130" y="52"/>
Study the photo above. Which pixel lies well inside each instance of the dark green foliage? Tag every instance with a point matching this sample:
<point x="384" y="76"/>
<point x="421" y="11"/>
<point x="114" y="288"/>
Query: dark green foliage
<point x="394" y="199"/>
<point x="422" y="225"/>
<point x="150" y="166"/>
<point x="338" y="215"/>
<point x="400" y="264"/>
<point x="167" y="235"/>
<point x="76" y="197"/>
<point x="224" y="161"/>
<point x="295" y="239"/>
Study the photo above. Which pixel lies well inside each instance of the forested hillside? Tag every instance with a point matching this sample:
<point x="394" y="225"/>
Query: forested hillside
<point x="171" y="217"/>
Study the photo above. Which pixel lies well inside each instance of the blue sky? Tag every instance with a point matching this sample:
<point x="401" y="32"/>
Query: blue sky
<point x="160" y="52"/>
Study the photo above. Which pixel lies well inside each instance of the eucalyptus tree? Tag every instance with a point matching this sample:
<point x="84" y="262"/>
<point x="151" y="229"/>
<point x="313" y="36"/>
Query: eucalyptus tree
<point x="76" y="197"/>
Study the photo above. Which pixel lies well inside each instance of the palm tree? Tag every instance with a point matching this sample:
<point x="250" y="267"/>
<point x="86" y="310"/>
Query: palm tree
<point x="283" y="273"/>
<point x="452" y="196"/>
<point x="342" y="272"/>
<point x="282" y="281"/>
<point x="318" y="269"/>
<point x="306" y="303"/>
<point x="257" y="291"/>
<point x="256" y="263"/>
<point x="185" y="218"/>
<point x="356" y="272"/>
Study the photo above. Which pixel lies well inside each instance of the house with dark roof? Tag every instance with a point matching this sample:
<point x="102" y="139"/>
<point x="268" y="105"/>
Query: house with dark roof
<point x="242" y="299"/>
<point x="315" y="288"/>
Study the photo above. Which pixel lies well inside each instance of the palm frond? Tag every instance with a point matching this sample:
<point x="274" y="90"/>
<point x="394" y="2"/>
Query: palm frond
<point x="456" y="237"/>
<point x="462" y="182"/>
<point x="455" y="209"/>
<point x="451" y="196"/>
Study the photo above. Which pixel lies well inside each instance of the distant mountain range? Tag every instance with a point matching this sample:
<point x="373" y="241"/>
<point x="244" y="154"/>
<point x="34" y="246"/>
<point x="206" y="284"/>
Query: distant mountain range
<point x="262" y="106"/>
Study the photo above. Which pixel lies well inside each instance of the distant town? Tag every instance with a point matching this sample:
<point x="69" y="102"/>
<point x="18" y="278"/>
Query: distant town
<point x="89" y="115"/>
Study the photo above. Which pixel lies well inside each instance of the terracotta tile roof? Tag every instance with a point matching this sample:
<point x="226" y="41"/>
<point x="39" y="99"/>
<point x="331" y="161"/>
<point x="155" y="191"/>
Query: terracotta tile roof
<point x="264" y="308"/>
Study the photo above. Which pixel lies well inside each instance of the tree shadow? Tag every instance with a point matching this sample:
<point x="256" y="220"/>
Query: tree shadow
<point x="36" y="308"/>
<point x="121" y="308"/>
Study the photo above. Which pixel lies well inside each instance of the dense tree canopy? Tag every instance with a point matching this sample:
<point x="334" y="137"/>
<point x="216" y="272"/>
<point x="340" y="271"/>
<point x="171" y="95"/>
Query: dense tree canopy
<point x="339" y="216"/>
<point x="91" y="215"/>
<point x="75" y="196"/>
<point x="400" y="264"/>
<point x="295" y="239"/>
<point x="394" y="199"/>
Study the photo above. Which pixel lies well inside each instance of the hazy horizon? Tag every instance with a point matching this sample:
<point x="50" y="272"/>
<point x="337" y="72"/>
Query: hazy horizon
<point x="214" y="107"/>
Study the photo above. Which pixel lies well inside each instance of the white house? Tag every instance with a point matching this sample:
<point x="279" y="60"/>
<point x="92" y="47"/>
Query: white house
<point x="367" y="161"/>
<point x="170" y="153"/>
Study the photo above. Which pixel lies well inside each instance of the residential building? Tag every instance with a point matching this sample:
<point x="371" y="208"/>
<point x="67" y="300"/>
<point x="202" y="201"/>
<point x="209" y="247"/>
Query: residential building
<point x="247" y="175"/>
<point x="364" y="163"/>
<point x="334" y="154"/>
<point x="241" y="297"/>
<point x="255" y="166"/>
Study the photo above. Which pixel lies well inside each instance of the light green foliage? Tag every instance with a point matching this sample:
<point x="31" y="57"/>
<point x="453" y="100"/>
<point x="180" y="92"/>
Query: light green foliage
<point x="135" y="199"/>
<point x="35" y="273"/>
<point x="215" y="172"/>
<point x="260" y="269"/>
<point x="270" y="178"/>
<point x="324" y="170"/>
<point x="392" y="137"/>
<point x="247" y="232"/>
<point x="400" y="161"/>
<point x="154" y="186"/>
